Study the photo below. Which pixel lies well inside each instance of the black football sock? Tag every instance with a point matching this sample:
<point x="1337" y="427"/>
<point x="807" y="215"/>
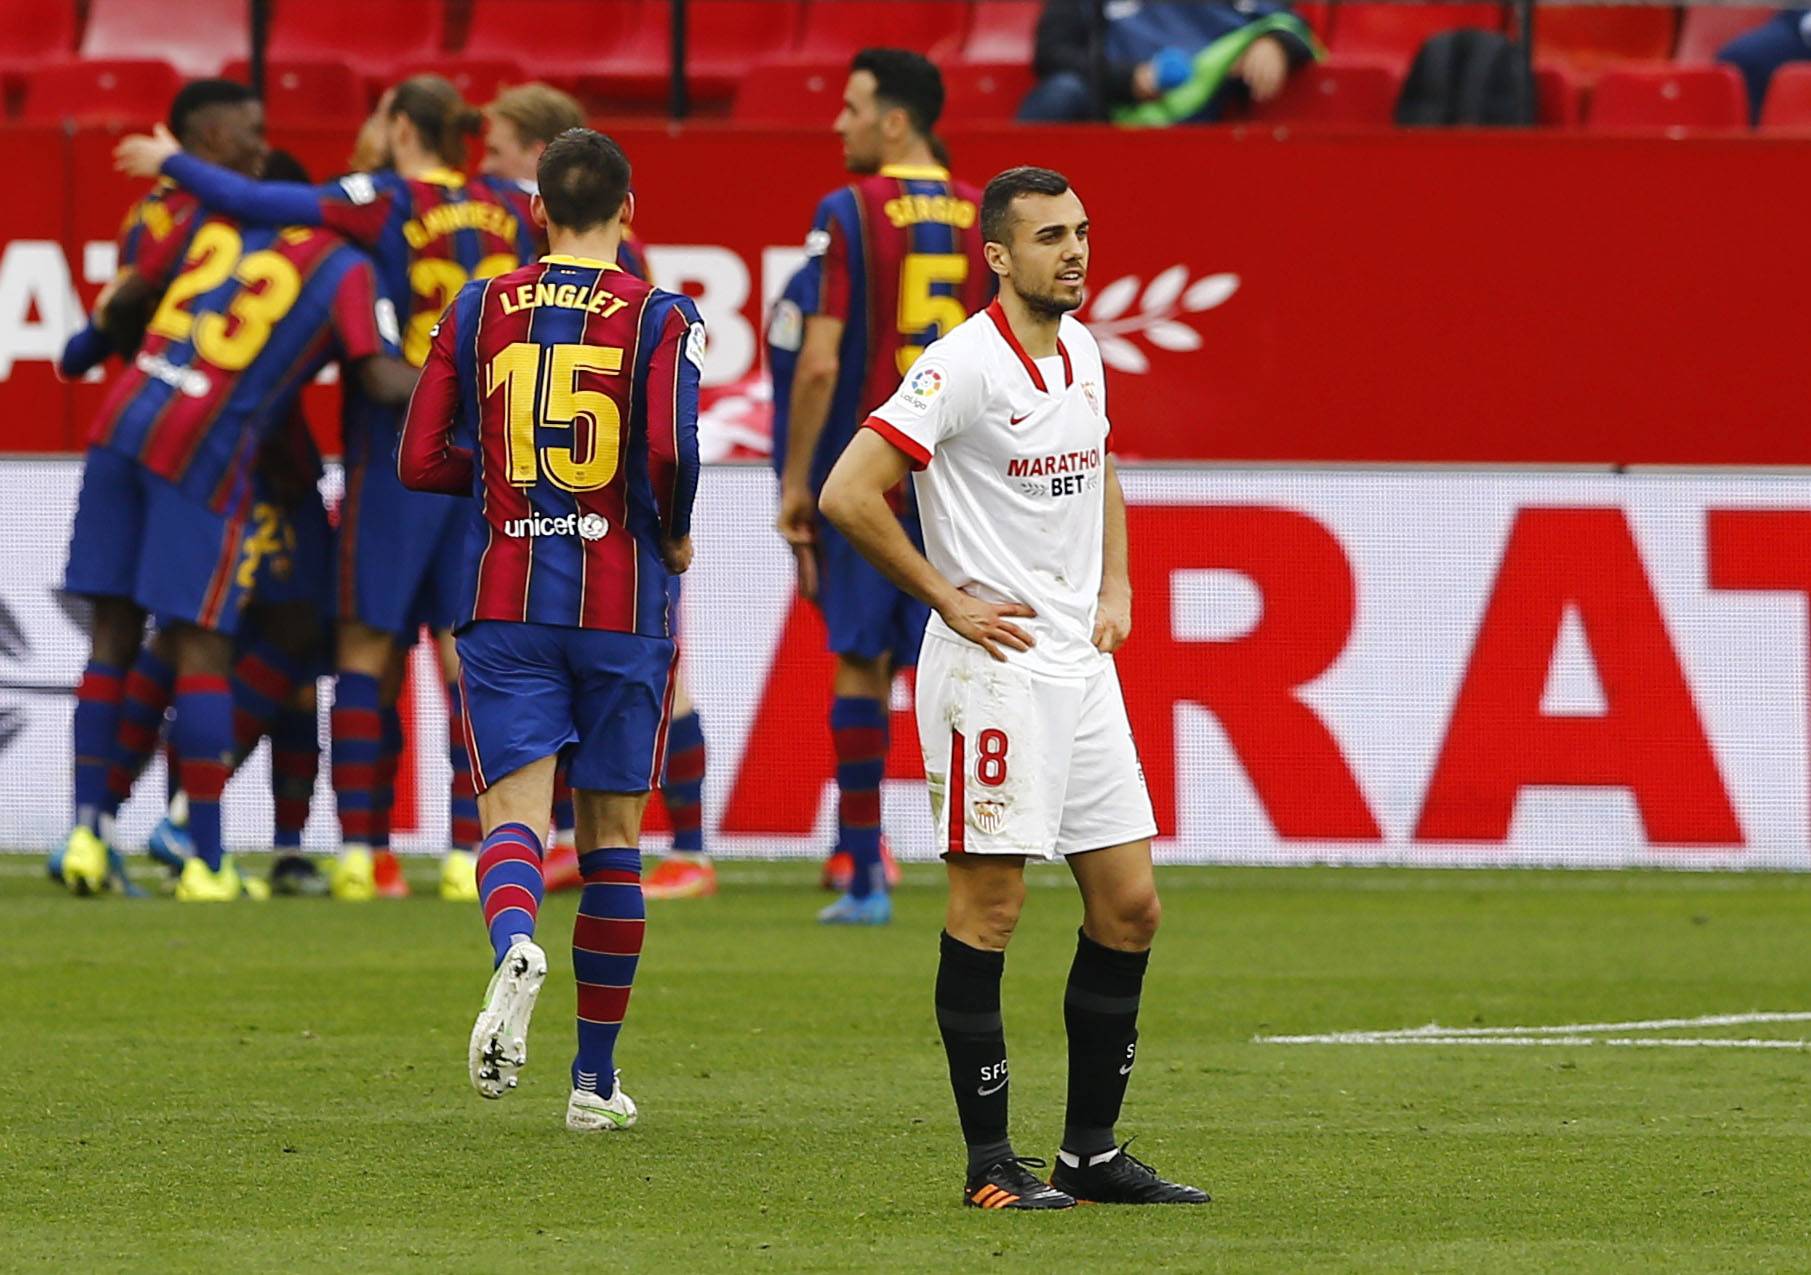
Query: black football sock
<point x="1100" y="1011"/>
<point x="968" y="1016"/>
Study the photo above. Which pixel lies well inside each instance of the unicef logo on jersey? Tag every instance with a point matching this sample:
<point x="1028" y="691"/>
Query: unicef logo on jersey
<point x="586" y="527"/>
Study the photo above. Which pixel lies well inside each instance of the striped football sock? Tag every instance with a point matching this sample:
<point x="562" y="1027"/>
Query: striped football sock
<point x="466" y="830"/>
<point x="509" y="886"/>
<point x="149" y="687"/>
<point x="606" y="946"/>
<point x="295" y="758"/>
<point x="356" y="750"/>
<point x="263" y="680"/>
<point x="682" y="785"/>
<point x="389" y="760"/>
<point x="92" y="730"/>
<point x="858" y="728"/>
<point x="202" y="736"/>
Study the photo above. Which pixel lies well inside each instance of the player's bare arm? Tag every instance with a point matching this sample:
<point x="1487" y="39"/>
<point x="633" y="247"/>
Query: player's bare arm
<point x="142" y="155"/>
<point x="813" y="386"/>
<point x="1113" y="615"/>
<point x="855" y="500"/>
<point x="386" y="379"/>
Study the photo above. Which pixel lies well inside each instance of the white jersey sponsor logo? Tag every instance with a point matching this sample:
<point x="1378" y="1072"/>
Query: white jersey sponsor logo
<point x="584" y="526"/>
<point x="1014" y="453"/>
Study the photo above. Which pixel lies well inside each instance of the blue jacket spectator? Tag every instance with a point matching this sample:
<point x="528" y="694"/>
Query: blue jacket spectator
<point x="1097" y="56"/>
<point x="1786" y="37"/>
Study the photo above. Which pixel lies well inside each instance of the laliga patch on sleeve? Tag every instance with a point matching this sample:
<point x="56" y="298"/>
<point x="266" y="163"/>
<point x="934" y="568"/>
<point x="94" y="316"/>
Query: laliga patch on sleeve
<point x="694" y="346"/>
<point x="817" y="243"/>
<point x="923" y="385"/>
<point x="359" y="187"/>
<point x="387" y="326"/>
<point x="786" y="329"/>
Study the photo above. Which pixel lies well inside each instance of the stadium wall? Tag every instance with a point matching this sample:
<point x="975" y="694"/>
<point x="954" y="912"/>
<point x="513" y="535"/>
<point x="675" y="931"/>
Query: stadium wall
<point x="1261" y="295"/>
<point x="1457" y="667"/>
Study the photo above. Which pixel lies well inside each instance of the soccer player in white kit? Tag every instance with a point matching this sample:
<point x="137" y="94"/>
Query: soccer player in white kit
<point x="1027" y="748"/>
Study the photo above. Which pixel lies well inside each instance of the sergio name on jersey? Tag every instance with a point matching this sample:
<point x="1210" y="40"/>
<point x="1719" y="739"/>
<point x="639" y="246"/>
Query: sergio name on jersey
<point x="1011" y="455"/>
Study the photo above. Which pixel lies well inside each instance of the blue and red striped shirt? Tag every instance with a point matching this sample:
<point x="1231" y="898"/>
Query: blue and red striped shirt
<point x="563" y="396"/>
<point x="901" y="265"/>
<point x="251" y="316"/>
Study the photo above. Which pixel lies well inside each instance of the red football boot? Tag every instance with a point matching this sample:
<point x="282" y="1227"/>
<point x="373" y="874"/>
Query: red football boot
<point x="560" y="868"/>
<point x="386" y="873"/>
<point x="681" y="877"/>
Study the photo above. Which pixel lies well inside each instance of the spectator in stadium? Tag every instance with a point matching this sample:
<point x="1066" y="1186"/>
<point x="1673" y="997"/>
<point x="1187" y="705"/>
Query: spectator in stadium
<point x="1159" y="61"/>
<point x="1757" y="54"/>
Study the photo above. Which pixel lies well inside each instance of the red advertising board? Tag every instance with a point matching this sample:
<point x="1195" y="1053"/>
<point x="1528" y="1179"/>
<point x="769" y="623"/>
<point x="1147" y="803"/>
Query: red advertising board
<point x="1385" y="297"/>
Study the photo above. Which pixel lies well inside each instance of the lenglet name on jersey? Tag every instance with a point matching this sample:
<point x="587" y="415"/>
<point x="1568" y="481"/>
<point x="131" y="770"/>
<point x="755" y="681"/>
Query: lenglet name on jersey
<point x="567" y="296"/>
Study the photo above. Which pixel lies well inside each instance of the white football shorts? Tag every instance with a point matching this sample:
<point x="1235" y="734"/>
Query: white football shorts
<point x="1025" y="765"/>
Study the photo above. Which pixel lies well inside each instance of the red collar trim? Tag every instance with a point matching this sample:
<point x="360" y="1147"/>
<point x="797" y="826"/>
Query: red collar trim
<point x="998" y="315"/>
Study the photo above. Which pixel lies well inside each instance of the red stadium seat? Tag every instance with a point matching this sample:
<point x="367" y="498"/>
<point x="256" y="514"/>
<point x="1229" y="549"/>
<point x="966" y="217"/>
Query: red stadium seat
<point x="1335" y="92"/>
<point x="1319" y="17"/>
<point x="1788" y="105"/>
<point x="792" y="93"/>
<point x="556" y="41"/>
<point x="120" y="91"/>
<point x="723" y="39"/>
<point x="1669" y="96"/>
<point x="309" y="92"/>
<point x="35" y="33"/>
<point x="1708" y="27"/>
<point x="985" y="94"/>
<point x="195" y="36"/>
<point x="838" y="29"/>
<point x="372" y="38"/>
<point x="477" y="79"/>
<point x="1003" y="31"/>
<point x="1558" y="101"/>
<point x="1394" y="32"/>
<point x="1588" y="38"/>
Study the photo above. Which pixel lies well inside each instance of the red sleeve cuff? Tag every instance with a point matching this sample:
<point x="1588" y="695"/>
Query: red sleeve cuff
<point x="913" y="449"/>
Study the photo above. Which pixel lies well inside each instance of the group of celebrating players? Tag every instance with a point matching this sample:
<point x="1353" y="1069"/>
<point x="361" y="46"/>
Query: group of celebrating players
<point x="554" y="388"/>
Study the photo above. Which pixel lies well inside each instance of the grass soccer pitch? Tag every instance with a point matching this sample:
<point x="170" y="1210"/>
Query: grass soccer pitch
<point x="282" y="1086"/>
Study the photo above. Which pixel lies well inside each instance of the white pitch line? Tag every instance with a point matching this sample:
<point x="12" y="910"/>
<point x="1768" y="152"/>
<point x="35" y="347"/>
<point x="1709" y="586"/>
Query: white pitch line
<point x="1634" y="1042"/>
<point x="1435" y="1032"/>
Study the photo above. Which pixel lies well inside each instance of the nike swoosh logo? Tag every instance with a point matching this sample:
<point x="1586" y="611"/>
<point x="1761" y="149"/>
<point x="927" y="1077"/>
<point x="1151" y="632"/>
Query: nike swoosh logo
<point x="1126" y="1070"/>
<point x="1020" y="420"/>
<point x="984" y="1092"/>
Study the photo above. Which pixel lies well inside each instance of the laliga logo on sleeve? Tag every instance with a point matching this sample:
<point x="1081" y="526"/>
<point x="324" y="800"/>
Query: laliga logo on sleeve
<point x="694" y="346"/>
<point x="925" y="384"/>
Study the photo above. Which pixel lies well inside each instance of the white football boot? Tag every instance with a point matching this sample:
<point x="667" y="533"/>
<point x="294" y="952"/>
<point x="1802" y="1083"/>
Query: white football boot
<point x="499" y="1047"/>
<point x="588" y="1112"/>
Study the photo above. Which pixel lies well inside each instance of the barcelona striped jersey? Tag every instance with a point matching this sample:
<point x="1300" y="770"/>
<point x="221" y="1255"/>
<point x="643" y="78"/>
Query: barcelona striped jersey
<point x="563" y="397"/>
<point x="901" y="266"/>
<point x="248" y="318"/>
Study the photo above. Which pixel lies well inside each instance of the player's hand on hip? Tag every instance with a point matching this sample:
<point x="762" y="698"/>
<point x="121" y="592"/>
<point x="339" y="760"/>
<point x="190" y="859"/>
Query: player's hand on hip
<point x="1112" y="618"/>
<point x="141" y="155"/>
<point x="677" y="554"/>
<point x="987" y="624"/>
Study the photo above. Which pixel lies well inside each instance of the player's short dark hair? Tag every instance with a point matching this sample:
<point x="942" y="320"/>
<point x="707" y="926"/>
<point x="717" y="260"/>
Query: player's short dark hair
<point x="907" y="80"/>
<point x="442" y="118"/>
<point x="584" y="178"/>
<point x="199" y="95"/>
<point x="1014" y="183"/>
<point x="281" y="166"/>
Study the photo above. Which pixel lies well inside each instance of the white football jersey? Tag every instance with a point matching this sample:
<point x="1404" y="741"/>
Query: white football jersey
<point x="1011" y="454"/>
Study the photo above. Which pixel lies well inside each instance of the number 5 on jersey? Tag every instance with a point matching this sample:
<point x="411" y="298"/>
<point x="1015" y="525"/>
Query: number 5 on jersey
<point x="542" y="389"/>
